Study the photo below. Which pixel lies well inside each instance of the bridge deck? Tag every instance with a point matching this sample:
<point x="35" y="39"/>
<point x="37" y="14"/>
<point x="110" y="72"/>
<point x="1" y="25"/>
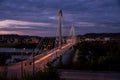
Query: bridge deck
<point x="40" y="61"/>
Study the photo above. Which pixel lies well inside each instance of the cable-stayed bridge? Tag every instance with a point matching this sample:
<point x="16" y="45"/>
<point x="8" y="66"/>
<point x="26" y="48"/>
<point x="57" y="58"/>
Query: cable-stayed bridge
<point x="51" y="49"/>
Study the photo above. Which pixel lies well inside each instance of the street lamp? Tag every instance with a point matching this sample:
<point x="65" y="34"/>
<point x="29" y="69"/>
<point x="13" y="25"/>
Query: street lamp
<point x="33" y="62"/>
<point x="22" y="62"/>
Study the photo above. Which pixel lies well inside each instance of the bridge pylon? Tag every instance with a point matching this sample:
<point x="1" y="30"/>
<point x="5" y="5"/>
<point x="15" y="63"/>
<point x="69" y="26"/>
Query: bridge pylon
<point x="60" y="15"/>
<point x="73" y="36"/>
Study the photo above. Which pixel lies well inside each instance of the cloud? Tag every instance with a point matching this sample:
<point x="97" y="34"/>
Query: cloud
<point x="85" y="24"/>
<point x="53" y="18"/>
<point x="8" y="23"/>
<point x="42" y="15"/>
<point x="27" y="28"/>
<point x="10" y="32"/>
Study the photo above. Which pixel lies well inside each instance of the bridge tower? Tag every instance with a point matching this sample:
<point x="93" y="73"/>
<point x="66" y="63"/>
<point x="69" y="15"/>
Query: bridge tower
<point x="60" y="27"/>
<point x="73" y="37"/>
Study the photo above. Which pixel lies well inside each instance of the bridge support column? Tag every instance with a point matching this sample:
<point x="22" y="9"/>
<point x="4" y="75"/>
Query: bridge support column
<point x="60" y="28"/>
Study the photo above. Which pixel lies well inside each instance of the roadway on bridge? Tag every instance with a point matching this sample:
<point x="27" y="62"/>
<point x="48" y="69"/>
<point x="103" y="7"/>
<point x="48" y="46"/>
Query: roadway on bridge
<point x="40" y="61"/>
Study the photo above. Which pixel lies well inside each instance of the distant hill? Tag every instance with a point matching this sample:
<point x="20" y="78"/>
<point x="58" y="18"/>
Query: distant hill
<point x="17" y="36"/>
<point x="95" y="35"/>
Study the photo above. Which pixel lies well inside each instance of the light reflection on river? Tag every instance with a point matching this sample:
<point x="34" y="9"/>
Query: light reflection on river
<point x="15" y="50"/>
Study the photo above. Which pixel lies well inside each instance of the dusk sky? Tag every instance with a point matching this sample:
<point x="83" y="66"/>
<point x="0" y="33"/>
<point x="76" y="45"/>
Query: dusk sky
<point x="40" y="17"/>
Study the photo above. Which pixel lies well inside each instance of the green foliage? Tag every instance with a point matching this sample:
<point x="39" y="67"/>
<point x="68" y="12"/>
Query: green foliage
<point x="3" y="58"/>
<point x="49" y="73"/>
<point x="98" y="56"/>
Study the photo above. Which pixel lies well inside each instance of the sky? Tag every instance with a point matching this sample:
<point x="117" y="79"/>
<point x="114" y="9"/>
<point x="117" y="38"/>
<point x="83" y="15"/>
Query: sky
<point x="40" y="17"/>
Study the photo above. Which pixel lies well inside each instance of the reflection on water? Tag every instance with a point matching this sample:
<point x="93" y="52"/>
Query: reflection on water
<point x="15" y="50"/>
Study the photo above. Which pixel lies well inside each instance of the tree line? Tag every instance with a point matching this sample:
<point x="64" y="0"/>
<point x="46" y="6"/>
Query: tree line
<point x="98" y="56"/>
